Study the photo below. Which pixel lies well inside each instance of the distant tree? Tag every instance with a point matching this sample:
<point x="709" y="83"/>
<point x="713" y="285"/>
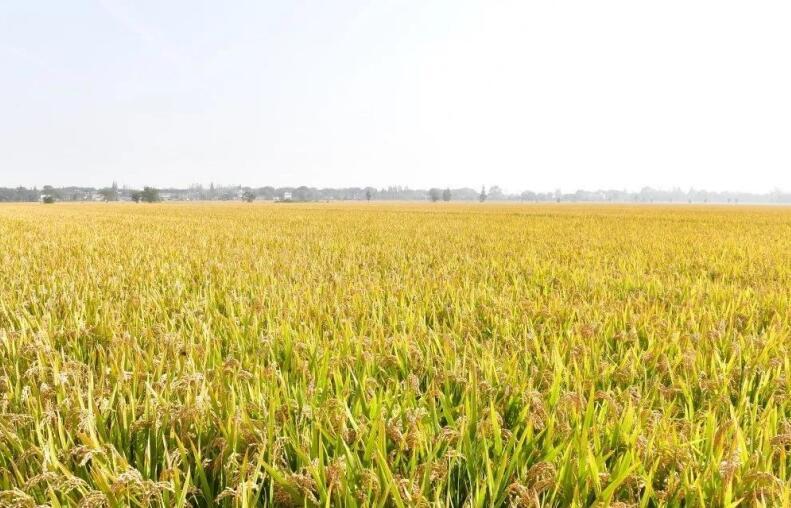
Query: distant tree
<point x="150" y="195"/>
<point x="434" y="194"/>
<point x="267" y="192"/>
<point x="495" y="193"/>
<point x="368" y="194"/>
<point x="304" y="193"/>
<point x="482" y="197"/>
<point x="110" y="193"/>
<point x="446" y="195"/>
<point x="50" y="191"/>
<point x="248" y="196"/>
<point x="136" y="196"/>
<point x="529" y="196"/>
<point x="48" y="199"/>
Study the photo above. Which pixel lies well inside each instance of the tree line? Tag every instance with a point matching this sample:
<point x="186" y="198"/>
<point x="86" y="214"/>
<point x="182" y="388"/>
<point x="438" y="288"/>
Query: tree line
<point x="113" y="192"/>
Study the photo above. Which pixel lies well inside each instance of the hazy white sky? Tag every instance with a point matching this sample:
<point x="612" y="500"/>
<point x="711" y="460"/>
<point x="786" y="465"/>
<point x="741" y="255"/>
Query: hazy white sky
<point x="523" y="94"/>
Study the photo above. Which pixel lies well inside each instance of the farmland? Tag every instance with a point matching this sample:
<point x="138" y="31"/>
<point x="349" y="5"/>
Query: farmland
<point x="394" y="355"/>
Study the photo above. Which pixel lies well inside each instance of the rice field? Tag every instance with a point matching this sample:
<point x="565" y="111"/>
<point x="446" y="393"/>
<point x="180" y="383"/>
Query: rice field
<point x="394" y="355"/>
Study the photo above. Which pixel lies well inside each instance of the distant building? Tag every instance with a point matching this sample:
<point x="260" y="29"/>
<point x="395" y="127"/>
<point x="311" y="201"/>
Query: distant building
<point x="286" y="196"/>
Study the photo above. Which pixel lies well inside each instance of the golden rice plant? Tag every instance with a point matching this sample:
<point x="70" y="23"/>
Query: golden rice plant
<point x="394" y="355"/>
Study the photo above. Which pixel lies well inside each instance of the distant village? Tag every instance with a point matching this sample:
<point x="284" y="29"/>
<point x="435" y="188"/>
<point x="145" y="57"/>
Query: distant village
<point x="114" y="192"/>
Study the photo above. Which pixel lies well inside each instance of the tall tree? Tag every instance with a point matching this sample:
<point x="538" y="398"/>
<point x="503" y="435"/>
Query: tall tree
<point x="110" y="193"/>
<point x="150" y="195"/>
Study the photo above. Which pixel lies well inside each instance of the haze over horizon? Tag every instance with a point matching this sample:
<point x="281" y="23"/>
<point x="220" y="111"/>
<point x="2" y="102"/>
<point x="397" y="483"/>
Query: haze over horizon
<point x="570" y="95"/>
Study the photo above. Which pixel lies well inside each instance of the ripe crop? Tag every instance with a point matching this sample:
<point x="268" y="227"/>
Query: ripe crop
<point x="394" y="355"/>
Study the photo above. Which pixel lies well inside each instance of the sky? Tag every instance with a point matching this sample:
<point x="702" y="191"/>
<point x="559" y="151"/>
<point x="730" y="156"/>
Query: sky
<point x="522" y="94"/>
